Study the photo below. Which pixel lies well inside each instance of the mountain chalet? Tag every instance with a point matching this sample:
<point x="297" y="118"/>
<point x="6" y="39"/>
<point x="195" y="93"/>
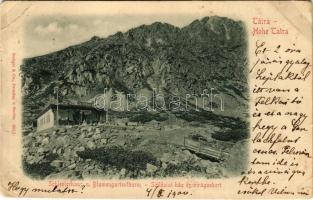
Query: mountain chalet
<point x="68" y="115"/>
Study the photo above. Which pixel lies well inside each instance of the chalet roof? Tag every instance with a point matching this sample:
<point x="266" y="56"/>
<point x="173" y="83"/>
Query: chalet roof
<point x="67" y="106"/>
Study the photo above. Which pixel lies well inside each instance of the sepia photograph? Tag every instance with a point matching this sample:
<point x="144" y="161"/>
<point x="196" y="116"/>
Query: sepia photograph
<point x="153" y="100"/>
<point x="156" y="99"/>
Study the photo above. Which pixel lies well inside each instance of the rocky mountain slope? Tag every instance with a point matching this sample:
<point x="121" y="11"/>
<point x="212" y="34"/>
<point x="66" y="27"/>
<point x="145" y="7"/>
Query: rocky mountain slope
<point x="208" y="53"/>
<point x="121" y="152"/>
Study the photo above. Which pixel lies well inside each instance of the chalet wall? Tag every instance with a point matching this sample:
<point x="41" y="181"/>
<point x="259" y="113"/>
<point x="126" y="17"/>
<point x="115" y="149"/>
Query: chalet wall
<point x="45" y="121"/>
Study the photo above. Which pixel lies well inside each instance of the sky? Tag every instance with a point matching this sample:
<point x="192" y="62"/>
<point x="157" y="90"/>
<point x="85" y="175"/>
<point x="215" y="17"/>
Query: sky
<point x="47" y="34"/>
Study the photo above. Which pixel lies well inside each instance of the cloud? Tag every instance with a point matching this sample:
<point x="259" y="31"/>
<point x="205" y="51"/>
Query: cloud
<point x="53" y="27"/>
<point x="96" y="22"/>
<point x="56" y="28"/>
<point x="73" y="26"/>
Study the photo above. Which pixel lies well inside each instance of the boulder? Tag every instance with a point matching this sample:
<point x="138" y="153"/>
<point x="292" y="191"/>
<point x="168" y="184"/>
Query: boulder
<point x="27" y="141"/>
<point x="67" y="153"/>
<point x="54" y="151"/>
<point x="62" y="141"/>
<point x="215" y="129"/>
<point x="89" y="134"/>
<point x="96" y="136"/>
<point x="68" y="174"/>
<point x="62" y="130"/>
<point x="151" y="168"/>
<point x="89" y="167"/>
<point x="81" y="148"/>
<point x="72" y="166"/>
<point x="187" y="153"/>
<point x="45" y="141"/>
<point x="212" y="170"/>
<point x="205" y="163"/>
<point x="56" y="163"/>
<point x="40" y="150"/>
<point x="83" y="140"/>
<point x="184" y="173"/>
<point x="142" y="173"/>
<point x="85" y="174"/>
<point x="44" y="133"/>
<point x="119" y="142"/>
<point x="166" y="157"/>
<point x="164" y="165"/>
<point x="173" y="162"/>
<point x="98" y="131"/>
<point x="38" y="138"/>
<point x="38" y="159"/>
<point x="31" y="134"/>
<point x="122" y="172"/>
<point x="100" y="171"/>
<point x="30" y="159"/>
<point x="60" y="151"/>
<point x="91" y="145"/>
<point x="103" y="141"/>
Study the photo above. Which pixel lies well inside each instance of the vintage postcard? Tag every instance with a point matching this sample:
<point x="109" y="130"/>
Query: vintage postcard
<point x="185" y="100"/>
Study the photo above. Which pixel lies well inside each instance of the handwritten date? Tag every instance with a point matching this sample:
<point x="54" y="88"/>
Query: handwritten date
<point x="156" y="192"/>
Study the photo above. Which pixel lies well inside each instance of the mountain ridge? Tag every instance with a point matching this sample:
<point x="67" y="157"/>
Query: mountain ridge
<point x="207" y="53"/>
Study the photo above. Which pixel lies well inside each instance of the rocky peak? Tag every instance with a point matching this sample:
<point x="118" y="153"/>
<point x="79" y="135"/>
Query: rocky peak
<point x="210" y="52"/>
